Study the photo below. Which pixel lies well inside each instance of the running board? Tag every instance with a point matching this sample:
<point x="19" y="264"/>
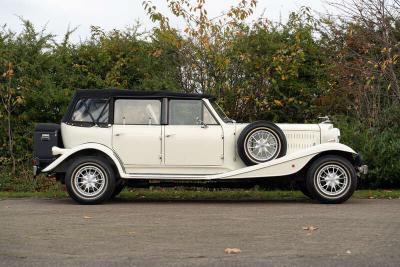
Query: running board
<point x="167" y="176"/>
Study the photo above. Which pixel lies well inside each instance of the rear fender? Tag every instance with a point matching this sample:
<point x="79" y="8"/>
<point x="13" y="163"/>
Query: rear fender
<point x="68" y="153"/>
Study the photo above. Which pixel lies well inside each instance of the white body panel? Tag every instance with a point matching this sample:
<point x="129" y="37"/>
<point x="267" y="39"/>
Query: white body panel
<point x="193" y="145"/>
<point x="137" y="144"/>
<point x="73" y="136"/>
<point x="193" y="151"/>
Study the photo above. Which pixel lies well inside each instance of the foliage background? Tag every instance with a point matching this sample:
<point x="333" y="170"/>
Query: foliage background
<point x="345" y="67"/>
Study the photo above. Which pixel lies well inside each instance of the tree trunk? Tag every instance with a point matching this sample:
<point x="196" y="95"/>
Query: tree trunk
<point x="10" y="142"/>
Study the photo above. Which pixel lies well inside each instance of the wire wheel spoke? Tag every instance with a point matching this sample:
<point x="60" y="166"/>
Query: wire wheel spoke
<point x="262" y="145"/>
<point x="332" y="179"/>
<point x="89" y="181"/>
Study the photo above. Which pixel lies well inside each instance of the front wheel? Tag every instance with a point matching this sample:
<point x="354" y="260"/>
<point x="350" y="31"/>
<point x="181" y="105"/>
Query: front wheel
<point x="331" y="179"/>
<point x="90" y="180"/>
<point x="302" y="186"/>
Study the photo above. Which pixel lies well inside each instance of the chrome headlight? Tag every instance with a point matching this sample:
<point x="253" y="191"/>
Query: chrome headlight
<point x="334" y="135"/>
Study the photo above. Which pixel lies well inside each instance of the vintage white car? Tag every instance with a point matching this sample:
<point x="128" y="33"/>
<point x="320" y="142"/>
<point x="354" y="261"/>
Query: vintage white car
<point x="111" y="138"/>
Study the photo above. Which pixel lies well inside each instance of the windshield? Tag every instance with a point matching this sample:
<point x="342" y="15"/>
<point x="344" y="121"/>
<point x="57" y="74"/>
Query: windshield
<point x="221" y="113"/>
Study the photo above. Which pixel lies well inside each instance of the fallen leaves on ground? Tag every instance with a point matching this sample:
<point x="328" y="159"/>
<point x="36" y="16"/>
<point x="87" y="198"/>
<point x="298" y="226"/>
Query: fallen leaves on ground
<point x="131" y="232"/>
<point x="87" y="217"/>
<point x="348" y="251"/>
<point x="310" y="229"/>
<point x="232" y="250"/>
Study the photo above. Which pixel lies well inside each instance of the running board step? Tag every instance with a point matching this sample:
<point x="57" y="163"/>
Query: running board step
<point x="166" y="176"/>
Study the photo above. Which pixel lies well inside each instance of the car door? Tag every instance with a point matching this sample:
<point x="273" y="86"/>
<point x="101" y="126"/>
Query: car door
<point x="192" y="137"/>
<point x="137" y="131"/>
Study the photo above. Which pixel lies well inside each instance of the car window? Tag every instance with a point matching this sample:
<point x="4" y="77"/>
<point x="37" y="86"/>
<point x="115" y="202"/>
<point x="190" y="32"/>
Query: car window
<point x="189" y="112"/>
<point x="91" y="111"/>
<point x="137" y="111"/>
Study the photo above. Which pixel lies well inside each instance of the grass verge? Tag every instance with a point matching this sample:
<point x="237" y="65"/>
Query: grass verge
<point x="172" y="194"/>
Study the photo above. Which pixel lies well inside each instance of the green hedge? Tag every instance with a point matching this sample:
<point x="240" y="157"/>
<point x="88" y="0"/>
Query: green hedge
<point x="379" y="147"/>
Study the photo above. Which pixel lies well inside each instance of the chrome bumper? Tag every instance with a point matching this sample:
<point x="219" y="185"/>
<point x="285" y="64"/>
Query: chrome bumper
<point x="35" y="170"/>
<point x="363" y="169"/>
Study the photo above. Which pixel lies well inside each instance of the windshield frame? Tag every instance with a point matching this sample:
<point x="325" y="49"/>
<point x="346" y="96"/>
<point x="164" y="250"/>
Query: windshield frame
<point x="220" y="112"/>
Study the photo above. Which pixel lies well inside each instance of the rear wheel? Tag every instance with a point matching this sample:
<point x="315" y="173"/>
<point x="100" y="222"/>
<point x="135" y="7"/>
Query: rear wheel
<point x="331" y="179"/>
<point x="90" y="180"/>
<point x="119" y="186"/>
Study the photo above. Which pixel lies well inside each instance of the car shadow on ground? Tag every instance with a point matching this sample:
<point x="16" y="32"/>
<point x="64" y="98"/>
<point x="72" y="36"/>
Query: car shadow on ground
<point x="224" y="201"/>
<point x="124" y="201"/>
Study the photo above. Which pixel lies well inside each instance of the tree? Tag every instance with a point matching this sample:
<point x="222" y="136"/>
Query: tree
<point x="10" y="99"/>
<point x="364" y="45"/>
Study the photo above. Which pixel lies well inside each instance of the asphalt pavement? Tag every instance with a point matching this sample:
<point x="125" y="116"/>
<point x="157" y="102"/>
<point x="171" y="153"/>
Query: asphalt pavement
<point x="58" y="232"/>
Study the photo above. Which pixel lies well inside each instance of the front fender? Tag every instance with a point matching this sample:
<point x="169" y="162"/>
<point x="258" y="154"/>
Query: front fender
<point x="286" y="165"/>
<point x="67" y="152"/>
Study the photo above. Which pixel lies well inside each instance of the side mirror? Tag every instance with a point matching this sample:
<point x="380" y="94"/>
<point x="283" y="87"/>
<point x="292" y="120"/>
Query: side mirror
<point x="200" y="122"/>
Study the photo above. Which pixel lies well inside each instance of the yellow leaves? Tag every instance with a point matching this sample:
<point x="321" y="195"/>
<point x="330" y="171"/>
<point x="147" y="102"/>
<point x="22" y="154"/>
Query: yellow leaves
<point x="4" y="159"/>
<point x="395" y="58"/>
<point x="279" y="103"/>
<point x="10" y="72"/>
<point x="205" y="42"/>
<point x="242" y="57"/>
<point x="19" y="100"/>
<point x="157" y="53"/>
<point x="386" y="50"/>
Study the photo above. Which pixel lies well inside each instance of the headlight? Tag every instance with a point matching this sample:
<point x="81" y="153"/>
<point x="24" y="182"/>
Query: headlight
<point x="334" y="135"/>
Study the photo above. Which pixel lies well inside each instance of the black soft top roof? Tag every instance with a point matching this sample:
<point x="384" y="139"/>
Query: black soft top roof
<point x="106" y="93"/>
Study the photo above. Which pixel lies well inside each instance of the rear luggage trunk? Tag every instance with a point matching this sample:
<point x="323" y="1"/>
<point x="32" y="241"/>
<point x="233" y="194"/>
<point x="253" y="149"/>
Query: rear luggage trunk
<point x="45" y="137"/>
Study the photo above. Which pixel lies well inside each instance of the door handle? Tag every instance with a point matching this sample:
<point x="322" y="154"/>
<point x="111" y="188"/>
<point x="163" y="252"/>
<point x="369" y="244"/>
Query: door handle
<point x="118" y="134"/>
<point x="169" y="135"/>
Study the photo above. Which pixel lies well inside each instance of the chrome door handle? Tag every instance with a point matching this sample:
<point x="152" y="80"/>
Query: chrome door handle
<point x="169" y="135"/>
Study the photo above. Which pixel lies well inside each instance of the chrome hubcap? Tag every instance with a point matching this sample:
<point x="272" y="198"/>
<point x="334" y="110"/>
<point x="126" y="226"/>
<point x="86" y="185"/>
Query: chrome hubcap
<point x="89" y="180"/>
<point x="332" y="180"/>
<point x="262" y="145"/>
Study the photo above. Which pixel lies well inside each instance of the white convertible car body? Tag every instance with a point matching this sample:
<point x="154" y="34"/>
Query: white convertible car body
<point x="158" y="146"/>
<point x="194" y="152"/>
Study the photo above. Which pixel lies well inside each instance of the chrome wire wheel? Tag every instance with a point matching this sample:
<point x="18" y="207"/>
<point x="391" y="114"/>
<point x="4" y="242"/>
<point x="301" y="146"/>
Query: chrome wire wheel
<point x="262" y="145"/>
<point x="332" y="180"/>
<point x="89" y="180"/>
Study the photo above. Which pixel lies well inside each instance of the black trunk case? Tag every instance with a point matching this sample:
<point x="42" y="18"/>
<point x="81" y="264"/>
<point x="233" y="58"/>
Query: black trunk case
<point x="45" y="137"/>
